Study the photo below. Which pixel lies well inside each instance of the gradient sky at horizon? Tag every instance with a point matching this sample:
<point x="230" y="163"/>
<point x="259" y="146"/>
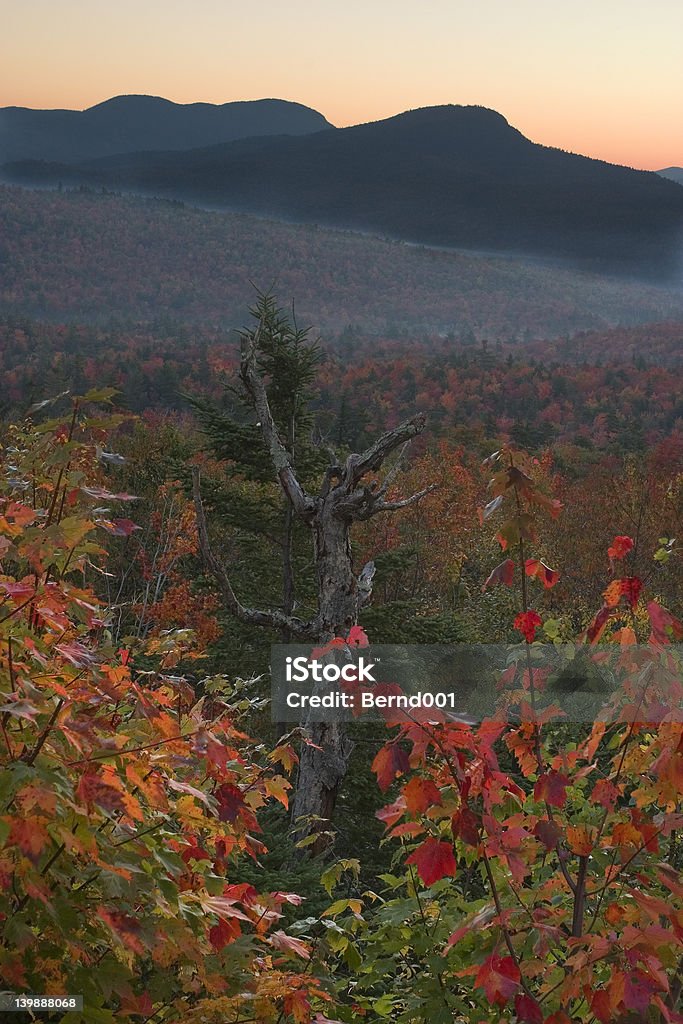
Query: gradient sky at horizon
<point x="600" y="78"/>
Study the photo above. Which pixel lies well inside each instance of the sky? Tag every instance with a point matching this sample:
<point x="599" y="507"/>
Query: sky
<point x="598" y="77"/>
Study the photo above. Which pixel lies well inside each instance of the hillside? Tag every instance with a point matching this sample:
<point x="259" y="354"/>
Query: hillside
<point x="673" y="174"/>
<point x="126" y="123"/>
<point x="163" y="260"/>
<point x="451" y="176"/>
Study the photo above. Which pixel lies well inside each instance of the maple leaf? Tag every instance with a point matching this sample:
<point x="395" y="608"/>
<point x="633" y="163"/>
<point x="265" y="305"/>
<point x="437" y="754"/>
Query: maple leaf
<point x="605" y="793"/>
<point x="230" y="801"/>
<point x="664" y="627"/>
<point x="465" y="826"/>
<point x="620" y="547"/>
<point x="499" y="977"/>
<point x="547" y="576"/>
<point x="297" y="1005"/>
<point x="433" y="859"/>
<point x="547" y="833"/>
<point x="277" y="787"/>
<point x="527" y="623"/>
<point x="223" y="933"/>
<point x="528" y="1010"/>
<point x="503" y="573"/>
<point x="551" y="788"/>
<point x="629" y="587"/>
<point x="30" y="836"/>
<point x="287" y="944"/>
<point x="101" y="788"/>
<point x="126" y="928"/>
<point x="357" y="637"/>
<point x="390" y="762"/>
<point x="20" y="709"/>
<point x="118" y="527"/>
<point x="475" y="922"/>
<point x="597" y="626"/>
<point x="392" y="812"/>
<point x="103" y="493"/>
<point x="419" y="794"/>
<point x="580" y="840"/>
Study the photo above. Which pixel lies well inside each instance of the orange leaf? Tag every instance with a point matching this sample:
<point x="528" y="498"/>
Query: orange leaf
<point x="390" y="762"/>
<point x="580" y="840"/>
<point x="420" y="794"/>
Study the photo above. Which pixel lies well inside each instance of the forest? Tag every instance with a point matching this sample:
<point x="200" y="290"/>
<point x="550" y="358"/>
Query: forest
<point x="178" y="496"/>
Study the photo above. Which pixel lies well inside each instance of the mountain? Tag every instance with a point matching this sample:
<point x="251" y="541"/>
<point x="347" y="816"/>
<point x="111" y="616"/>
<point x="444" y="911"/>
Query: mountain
<point x="127" y="123"/>
<point x="454" y="176"/>
<point x="673" y="173"/>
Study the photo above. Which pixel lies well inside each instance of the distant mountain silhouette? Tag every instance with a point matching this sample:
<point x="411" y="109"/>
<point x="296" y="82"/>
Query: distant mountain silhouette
<point x="127" y="123"/>
<point x="451" y="175"/>
<point x="673" y="173"/>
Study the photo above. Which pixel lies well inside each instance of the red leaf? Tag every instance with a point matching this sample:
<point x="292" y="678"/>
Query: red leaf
<point x="528" y="1010"/>
<point x="287" y="944"/>
<point x="638" y="992"/>
<point x="551" y="788"/>
<point x="223" y="933"/>
<point x="434" y="860"/>
<point x="30" y="836"/>
<point x="126" y="928"/>
<point x="630" y="587"/>
<point x="503" y="573"/>
<point x="94" y="789"/>
<point x="527" y="623"/>
<point x="392" y="812"/>
<point x="230" y="802"/>
<point x="465" y="826"/>
<point x="102" y="492"/>
<point x="543" y="572"/>
<point x="601" y="1006"/>
<point x="605" y="793"/>
<point x="664" y="627"/>
<point x="118" y="527"/>
<point x="390" y="762"/>
<point x="499" y="977"/>
<point x="420" y="793"/>
<point x="597" y="626"/>
<point x="357" y="637"/>
<point x="620" y="547"/>
<point x="547" y="833"/>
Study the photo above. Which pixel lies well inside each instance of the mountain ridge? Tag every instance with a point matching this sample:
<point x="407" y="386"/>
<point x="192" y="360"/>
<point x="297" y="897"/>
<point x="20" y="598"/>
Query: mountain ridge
<point x="450" y="175"/>
<point x="137" y="122"/>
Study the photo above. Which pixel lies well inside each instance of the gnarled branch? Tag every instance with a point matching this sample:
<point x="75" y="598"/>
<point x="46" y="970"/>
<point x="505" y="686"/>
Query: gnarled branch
<point x="373" y="457"/>
<point x="392" y="506"/>
<point x="254" y="616"/>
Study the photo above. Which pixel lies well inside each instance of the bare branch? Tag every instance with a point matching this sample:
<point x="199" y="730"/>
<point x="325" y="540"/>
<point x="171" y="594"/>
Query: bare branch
<point x="253" y="616"/>
<point x="373" y="457"/>
<point x="393" y="472"/>
<point x="302" y="503"/>
<point x="392" y="506"/>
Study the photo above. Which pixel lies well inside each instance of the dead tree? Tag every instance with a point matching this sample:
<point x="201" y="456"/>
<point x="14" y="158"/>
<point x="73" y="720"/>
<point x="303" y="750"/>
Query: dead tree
<point x="343" y="499"/>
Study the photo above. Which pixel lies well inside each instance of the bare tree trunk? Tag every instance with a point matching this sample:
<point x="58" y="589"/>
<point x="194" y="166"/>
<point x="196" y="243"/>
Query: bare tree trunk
<point x="342" y="500"/>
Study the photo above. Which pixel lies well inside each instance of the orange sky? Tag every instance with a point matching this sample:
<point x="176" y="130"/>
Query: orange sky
<point x="600" y="77"/>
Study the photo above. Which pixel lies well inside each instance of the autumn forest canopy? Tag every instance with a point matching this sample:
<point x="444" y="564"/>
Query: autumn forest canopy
<point x="223" y="431"/>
